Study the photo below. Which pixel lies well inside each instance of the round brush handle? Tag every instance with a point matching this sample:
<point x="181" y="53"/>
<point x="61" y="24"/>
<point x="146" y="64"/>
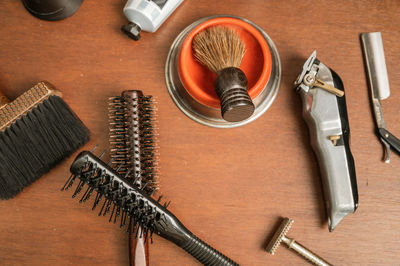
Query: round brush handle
<point x="232" y="89"/>
<point x="3" y="100"/>
<point x="138" y="250"/>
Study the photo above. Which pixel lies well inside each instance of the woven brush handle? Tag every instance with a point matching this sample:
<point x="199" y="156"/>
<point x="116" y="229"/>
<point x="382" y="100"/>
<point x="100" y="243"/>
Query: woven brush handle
<point x="3" y="100"/>
<point x="205" y="253"/>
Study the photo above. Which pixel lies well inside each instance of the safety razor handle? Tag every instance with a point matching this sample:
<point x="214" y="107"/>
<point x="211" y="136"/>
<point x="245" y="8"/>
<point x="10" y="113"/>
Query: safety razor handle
<point x="326" y="117"/>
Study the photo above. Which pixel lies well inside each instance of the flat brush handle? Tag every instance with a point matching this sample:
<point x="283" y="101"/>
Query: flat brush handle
<point x="205" y="253"/>
<point x="231" y="87"/>
<point x="3" y="100"/>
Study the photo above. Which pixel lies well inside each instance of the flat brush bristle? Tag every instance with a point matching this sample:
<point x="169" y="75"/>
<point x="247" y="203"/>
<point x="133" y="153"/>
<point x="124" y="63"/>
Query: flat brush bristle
<point x="43" y="131"/>
<point x="219" y="47"/>
<point x="132" y="138"/>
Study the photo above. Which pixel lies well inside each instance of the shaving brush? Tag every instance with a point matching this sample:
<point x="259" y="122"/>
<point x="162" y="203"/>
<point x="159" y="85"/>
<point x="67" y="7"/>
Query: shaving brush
<point x="221" y="50"/>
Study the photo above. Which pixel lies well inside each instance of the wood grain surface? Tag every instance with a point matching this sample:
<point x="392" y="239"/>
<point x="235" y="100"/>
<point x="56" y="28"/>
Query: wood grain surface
<point x="229" y="187"/>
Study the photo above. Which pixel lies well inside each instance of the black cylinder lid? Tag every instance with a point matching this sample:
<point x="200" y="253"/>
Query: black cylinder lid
<point x="52" y="9"/>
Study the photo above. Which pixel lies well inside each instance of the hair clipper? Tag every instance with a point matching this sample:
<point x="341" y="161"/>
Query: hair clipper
<point x="324" y="109"/>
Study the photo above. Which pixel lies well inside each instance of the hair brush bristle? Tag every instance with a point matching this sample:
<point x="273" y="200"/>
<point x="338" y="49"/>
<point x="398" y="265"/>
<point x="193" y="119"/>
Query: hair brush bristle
<point x="219" y="47"/>
<point x="132" y="138"/>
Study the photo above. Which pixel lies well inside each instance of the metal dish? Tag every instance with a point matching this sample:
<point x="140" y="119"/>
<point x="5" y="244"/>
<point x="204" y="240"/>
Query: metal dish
<point x="207" y="115"/>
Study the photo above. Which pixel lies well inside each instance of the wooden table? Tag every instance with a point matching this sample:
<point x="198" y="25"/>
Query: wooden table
<point x="230" y="187"/>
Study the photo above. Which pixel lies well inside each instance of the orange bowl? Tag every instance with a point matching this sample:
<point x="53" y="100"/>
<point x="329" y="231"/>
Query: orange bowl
<point x="198" y="80"/>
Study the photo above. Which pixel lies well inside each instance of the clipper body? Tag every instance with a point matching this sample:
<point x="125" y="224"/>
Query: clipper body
<point x="326" y="115"/>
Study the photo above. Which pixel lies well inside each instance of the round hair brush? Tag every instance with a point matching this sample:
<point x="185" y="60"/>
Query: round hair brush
<point x="221" y="50"/>
<point x="133" y="152"/>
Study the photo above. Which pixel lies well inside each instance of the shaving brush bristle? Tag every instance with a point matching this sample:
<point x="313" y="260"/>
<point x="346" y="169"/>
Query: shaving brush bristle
<point x="221" y="50"/>
<point x="218" y="48"/>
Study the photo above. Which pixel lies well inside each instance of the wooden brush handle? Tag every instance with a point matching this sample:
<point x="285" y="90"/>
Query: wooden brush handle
<point x="232" y="89"/>
<point x="138" y="250"/>
<point x="3" y="100"/>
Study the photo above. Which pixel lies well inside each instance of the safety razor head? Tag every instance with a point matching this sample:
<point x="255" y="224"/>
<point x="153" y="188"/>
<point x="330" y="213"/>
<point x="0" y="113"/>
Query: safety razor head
<point x="279" y="235"/>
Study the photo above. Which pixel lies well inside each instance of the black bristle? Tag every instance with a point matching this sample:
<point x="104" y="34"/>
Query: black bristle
<point x="36" y="142"/>
<point x="107" y="208"/>
<point x="85" y="195"/>
<point x="97" y="200"/>
<point x="94" y="148"/>
<point x="119" y="200"/>
<point x="159" y="198"/>
<point x="65" y="187"/>
<point x="112" y="213"/>
<point x="78" y="188"/>
<point x="151" y="236"/>
<point x="102" y="207"/>
<point x="116" y="214"/>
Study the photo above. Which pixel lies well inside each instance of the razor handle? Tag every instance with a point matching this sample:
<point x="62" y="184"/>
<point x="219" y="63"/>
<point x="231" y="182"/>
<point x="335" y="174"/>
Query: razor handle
<point x="326" y="117"/>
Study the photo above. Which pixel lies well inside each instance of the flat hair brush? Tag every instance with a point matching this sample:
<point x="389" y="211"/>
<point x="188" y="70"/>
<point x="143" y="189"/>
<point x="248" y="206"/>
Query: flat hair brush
<point x="132" y="148"/>
<point x="37" y="131"/>
<point x="221" y="50"/>
<point x="126" y="201"/>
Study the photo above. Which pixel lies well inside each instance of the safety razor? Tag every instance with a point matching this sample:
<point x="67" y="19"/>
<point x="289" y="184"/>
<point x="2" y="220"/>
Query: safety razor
<point x="324" y="109"/>
<point x="280" y="236"/>
<point x="379" y="85"/>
